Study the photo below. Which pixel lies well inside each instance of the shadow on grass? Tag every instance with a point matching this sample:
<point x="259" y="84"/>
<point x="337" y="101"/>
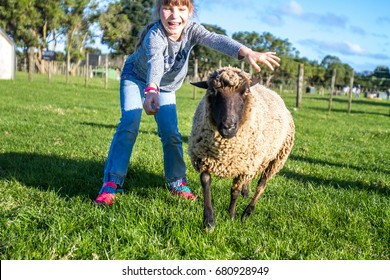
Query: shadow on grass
<point x="99" y="125"/>
<point x="325" y="110"/>
<point x="362" y="101"/>
<point x="337" y="183"/>
<point x="377" y="187"/>
<point x="340" y="165"/>
<point x="69" y="177"/>
<point x="369" y="103"/>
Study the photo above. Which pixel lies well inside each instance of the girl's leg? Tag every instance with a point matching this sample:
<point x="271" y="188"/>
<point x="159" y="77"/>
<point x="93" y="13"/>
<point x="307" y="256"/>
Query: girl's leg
<point x="124" y="138"/>
<point x="174" y="165"/>
<point x="117" y="162"/>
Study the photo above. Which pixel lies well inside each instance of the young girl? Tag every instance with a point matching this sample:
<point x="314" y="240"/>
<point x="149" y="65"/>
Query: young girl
<point x="149" y="79"/>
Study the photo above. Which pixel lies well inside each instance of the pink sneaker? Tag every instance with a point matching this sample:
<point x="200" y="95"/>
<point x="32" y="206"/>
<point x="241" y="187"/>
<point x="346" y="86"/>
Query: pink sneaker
<point x="107" y="194"/>
<point x="180" y="188"/>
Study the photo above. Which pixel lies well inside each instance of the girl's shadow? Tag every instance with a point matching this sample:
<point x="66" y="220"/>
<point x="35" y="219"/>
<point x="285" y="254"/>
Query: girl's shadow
<point x="67" y="177"/>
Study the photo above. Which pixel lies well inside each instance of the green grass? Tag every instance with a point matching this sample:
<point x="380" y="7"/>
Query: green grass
<point x="331" y="201"/>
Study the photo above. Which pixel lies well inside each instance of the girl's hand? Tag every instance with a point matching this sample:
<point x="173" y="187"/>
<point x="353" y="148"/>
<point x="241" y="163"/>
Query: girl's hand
<point x="151" y="104"/>
<point x="267" y="58"/>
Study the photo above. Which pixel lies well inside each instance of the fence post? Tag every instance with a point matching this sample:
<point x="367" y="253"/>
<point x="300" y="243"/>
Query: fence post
<point x="67" y="66"/>
<point x="332" y="90"/>
<point x="106" y="67"/>
<point x="196" y="78"/>
<point x="86" y="69"/>
<point x="31" y="64"/>
<point x="300" y="85"/>
<point x="49" y="70"/>
<point x="350" y="92"/>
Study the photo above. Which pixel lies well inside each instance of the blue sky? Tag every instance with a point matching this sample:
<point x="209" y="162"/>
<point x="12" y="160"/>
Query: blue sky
<point x="357" y="32"/>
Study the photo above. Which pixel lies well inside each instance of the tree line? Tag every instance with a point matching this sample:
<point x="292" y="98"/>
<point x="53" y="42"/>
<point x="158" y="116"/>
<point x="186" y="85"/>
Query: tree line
<point x="37" y="25"/>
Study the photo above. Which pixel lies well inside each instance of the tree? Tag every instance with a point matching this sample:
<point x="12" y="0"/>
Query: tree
<point x="122" y="22"/>
<point x="343" y="71"/>
<point x="116" y="28"/>
<point x="30" y="23"/>
<point x="314" y="73"/>
<point x="382" y="77"/>
<point x="79" y="16"/>
<point x="382" y="71"/>
<point x="267" y="42"/>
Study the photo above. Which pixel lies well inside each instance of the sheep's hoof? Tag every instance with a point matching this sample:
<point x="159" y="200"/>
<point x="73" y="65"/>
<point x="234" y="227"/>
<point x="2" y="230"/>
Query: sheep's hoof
<point x="232" y="213"/>
<point x="209" y="225"/>
<point x="248" y="212"/>
<point x="209" y="228"/>
<point x="209" y="220"/>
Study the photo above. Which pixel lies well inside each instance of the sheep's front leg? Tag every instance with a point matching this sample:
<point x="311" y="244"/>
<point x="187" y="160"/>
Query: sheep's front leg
<point x="245" y="191"/>
<point x="240" y="185"/>
<point x="233" y="201"/>
<point x="234" y="193"/>
<point x="205" y="179"/>
<point x="261" y="184"/>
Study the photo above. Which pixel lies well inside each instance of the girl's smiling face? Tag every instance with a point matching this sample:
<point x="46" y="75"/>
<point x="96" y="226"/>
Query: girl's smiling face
<point x="174" y="19"/>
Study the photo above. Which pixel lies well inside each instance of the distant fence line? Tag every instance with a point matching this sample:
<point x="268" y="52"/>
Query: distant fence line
<point x="95" y="62"/>
<point x="109" y="67"/>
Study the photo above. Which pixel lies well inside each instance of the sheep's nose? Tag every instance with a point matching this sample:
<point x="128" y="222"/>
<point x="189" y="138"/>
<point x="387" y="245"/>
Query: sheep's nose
<point x="230" y="127"/>
<point x="228" y="130"/>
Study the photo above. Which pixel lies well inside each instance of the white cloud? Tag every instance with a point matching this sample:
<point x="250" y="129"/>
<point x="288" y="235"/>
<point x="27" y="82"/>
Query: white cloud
<point x="292" y="8"/>
<point x="343" y="48"/>
<point x="355" y="48"/>
<point x="295" y="8"/>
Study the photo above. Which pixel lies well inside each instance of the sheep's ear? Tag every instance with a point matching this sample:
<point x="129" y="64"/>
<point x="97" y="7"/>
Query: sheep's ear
<point x="255" y="81"/>
<point x="202" y="84"/>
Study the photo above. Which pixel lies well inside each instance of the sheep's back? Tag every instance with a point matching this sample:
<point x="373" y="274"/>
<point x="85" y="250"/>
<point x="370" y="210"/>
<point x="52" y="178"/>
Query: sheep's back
<point x="258" y="141"/>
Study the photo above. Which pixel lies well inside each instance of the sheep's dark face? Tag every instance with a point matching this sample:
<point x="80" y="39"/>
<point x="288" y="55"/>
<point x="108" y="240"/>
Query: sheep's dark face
<point x="227" y="107"/>
<point x="227" y="98"/>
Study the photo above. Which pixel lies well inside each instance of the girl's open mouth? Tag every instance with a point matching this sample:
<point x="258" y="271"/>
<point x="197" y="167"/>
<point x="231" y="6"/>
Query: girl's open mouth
<point x="174" y="24"/>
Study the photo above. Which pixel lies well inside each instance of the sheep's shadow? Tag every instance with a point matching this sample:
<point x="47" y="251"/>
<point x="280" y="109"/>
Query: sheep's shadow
<point x="68" y="177"/>
<point x="333" y="182"/>
<point x="336" y="164"/>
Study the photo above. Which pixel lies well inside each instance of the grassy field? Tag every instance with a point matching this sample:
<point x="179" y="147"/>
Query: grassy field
<point x="331" y="201"/>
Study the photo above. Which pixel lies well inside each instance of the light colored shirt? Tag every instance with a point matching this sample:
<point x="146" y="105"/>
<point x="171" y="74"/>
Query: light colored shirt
<point x="165" y="62"/>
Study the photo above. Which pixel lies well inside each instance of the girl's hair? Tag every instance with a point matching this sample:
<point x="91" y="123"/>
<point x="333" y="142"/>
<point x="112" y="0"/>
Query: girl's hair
<point x="159" y="4"/>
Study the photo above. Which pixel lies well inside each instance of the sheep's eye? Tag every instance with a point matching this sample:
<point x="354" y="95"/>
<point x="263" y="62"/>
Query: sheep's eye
<point x="244" y="92"/>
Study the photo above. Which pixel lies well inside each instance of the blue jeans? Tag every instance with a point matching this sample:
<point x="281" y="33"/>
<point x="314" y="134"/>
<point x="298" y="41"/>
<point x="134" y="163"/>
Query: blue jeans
<point x="131" y="99"/>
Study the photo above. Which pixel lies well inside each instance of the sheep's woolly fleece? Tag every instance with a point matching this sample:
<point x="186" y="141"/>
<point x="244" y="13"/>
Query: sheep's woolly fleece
<point x="267" y="133"/>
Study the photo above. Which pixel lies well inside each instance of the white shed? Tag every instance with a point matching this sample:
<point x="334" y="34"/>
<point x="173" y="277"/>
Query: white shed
<point x="7" y="57"/>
